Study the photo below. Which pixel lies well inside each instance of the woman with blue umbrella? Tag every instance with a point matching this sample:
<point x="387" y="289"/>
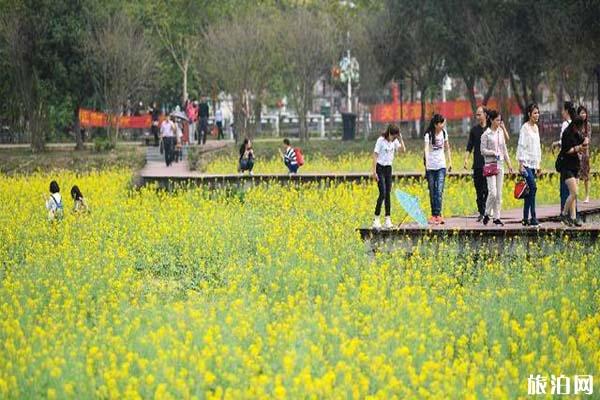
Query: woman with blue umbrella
<point x="387" y="144"/>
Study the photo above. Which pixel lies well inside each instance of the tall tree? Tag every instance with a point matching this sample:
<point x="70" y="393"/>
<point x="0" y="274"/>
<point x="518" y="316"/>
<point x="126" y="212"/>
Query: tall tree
<point x="407" y="38"/>
<point x="307" y="51"/>
<point x="123" y="62"/>
<point x="240" y="56"/>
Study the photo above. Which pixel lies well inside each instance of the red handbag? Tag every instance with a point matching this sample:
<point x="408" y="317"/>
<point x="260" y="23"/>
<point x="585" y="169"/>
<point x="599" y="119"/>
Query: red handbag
<point x="490" y="169"/>
<point x="521" y="189"/>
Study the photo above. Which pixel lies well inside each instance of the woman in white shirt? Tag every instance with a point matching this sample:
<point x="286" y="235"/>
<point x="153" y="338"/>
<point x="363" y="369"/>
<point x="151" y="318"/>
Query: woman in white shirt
<point x="495" y="153"/>
<point x="529" y="155"/>
<point x="436" y="141"/>
<point x="383" y="157"/>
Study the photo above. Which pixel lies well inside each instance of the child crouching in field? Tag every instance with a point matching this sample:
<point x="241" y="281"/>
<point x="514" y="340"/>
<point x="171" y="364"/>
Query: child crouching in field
<point x="79" y="202"/>
<point x="54" y="203"/>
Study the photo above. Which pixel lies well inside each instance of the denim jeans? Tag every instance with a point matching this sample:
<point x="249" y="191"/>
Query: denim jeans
<point x="292" y="168"/>
<point x="529" y="204"/>
<point x="384" y="184"/>
<point x="246" y="164"/>
<point x="435" y="181"/>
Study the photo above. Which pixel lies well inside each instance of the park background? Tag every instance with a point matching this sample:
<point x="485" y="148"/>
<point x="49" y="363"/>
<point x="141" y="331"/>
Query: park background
<point x="267" y="290"/>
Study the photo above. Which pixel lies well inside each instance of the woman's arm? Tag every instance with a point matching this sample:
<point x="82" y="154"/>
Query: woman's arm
<point x="484" y="144"/>
<point x="426" y="149"/>
<point x="375" y="155"/>
<point x="447" y="145"/>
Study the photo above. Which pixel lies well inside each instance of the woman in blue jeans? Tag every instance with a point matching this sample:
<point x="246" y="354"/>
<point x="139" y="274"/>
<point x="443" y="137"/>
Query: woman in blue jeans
<point x="529" y="155"/>
<point x="436" y="142"/>
<point x="246" y="162"/>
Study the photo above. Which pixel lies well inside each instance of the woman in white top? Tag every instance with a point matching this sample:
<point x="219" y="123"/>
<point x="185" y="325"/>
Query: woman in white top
<point x="436" y="141"/>
<point x="383" y="157"/>
<point x="495" y="154"/>
<point x="529" y="155"/>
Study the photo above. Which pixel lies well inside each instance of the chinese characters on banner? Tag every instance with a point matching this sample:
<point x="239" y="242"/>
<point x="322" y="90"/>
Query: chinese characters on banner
<point x="451" y="110"/>
<point x="95" y="119"/>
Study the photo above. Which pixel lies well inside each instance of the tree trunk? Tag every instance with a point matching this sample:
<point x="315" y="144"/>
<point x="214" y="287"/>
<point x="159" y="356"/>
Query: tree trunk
<point x="470" y="84"/>
<point x="515" y="90"/>
<point x="413" y="131"/>
<point x="561" y="94"/>
<point x="77" y="128"/>
<point x="422" y="110"/>
<point x="185" y="81"/>
<point x="490" y="90"/>
<point x="238" y="118"/>
<point x="36" y="126"/>
<point x="257" y="117"/>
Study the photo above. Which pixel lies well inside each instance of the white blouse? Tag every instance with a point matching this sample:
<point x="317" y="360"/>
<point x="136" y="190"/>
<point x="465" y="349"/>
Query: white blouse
<point x="529" y="150"/>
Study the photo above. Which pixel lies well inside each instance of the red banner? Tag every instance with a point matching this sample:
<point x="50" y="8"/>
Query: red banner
<point x="451" y="110"/>
<point x="95" y="119"/>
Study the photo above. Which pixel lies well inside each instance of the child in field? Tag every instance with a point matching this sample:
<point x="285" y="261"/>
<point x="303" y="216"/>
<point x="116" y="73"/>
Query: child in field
<point x="79" y="202"/>
<point x="54" y="202"/>
<point x="289" y="157"/>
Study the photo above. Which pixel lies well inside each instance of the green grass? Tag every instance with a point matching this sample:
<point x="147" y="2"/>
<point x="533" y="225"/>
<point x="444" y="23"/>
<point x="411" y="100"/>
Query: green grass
<point x="24" y="161"/>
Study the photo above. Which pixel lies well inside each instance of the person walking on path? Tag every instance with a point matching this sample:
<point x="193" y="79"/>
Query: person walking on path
<point x="495" y="153"/>
<point x="167" y="134"/>
<point x="584" y="157"/>
<point x="383" y="157"/>
<point x="529" y="155"/>
<point x="203" y="113"/>
<point x="436" y="142"/>
<point x="219" y="123"/>
<point x="155" y="116"/>
<point x="572" y="144"/>
<point x="474" y="144"/>
<point x="246" y="162"/>
<point x="192" y="114"/>
<point x="568" y="114"/>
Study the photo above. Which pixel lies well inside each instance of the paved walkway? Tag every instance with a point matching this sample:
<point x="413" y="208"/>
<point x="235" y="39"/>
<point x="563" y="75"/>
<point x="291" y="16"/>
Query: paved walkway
<point x="156" y="167"/>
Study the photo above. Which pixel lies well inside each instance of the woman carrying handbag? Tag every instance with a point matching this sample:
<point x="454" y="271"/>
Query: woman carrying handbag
<point x="495" y="153"/>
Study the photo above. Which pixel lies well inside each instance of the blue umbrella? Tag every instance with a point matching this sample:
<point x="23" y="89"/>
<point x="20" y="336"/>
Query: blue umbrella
<point x="411" y="205"/>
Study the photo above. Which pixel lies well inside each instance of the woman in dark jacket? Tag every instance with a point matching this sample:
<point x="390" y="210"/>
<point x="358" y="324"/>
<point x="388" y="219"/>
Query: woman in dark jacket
<point x="572" y="144"/>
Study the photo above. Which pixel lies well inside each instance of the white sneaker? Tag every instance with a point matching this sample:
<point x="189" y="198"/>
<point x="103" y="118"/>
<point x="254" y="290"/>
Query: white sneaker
<point x="376" y="223"/>
<point x="587" y="200"/>
<point x="388" y="223"/>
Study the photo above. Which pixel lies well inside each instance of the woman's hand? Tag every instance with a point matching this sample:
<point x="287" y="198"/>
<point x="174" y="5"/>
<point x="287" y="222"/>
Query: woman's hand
<point x="375" y="176"/>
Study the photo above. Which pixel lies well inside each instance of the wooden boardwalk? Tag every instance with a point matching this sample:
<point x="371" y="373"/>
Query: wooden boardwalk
<point x="164" y="176"/>
<point x="467" y="229"/>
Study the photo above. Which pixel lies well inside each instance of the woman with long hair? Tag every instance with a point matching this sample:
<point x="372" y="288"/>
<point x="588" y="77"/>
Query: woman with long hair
<point x="387" y="144"/>
<point x="246" y="161"/>
<point x="572" y="144"/>
<point x="584" y="156"/>
<point x="568" y="114"/>
<point x="495" y="153"/>
<point x="436" y="142"/>
<point x="529" y="155"/>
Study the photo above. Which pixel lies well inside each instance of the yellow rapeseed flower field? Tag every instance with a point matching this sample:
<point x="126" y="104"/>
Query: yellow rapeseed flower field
<point x="269" y="292"/>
